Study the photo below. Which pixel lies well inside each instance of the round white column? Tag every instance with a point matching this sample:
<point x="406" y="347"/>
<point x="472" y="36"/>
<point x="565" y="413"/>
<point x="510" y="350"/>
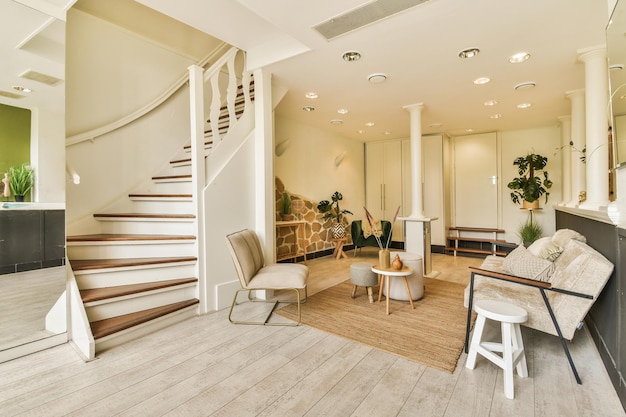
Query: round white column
<point x="578" y="169"/>
<point x="417" y="197"/>
<point x="596" y="99"/>
<point x="566" y="171"/>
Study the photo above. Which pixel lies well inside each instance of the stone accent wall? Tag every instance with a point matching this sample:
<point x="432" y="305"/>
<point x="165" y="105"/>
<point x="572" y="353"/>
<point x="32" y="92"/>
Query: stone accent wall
<point x="316" y="230"/>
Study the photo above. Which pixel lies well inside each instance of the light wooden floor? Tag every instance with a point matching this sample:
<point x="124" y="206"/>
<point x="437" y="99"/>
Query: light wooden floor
<point x="206" y="366"/>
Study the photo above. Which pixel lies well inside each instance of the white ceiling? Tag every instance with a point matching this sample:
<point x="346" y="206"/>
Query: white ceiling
<point x="418" y="50"/>
<point x="32" y="37"/>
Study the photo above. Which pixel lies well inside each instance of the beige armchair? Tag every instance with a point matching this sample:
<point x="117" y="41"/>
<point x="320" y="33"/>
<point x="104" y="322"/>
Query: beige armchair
<point x="248" y="259"/>
<point x="556" y="305"/>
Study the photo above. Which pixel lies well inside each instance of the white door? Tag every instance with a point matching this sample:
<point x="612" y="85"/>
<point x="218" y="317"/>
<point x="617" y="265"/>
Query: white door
<point x="475" y="181"/>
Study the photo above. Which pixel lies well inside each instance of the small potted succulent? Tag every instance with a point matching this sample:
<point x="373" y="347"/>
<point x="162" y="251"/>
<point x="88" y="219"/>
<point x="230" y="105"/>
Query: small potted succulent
<point x="21" y="180"/>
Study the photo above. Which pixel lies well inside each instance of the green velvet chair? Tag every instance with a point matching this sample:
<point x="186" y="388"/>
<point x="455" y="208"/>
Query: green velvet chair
<point x="359" y="241"/>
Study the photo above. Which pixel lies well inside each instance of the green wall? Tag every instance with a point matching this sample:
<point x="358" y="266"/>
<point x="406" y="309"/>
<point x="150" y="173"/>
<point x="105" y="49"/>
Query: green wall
<point x="14" y="136"/>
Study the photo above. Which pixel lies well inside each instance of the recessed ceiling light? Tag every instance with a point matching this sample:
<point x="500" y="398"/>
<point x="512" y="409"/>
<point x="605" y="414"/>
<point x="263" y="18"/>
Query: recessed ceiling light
<point x="311" y="94"/>
<point x="524" y="105"/>
<point x="616" y="67"/>
<point x="22" y="89"/>
<point x="342" y="111"/>
<point x="496" y="116"/>
<point x="490" y="103"/>
<point x="351" y="56"/>
<point x="525" y="85"/>
<point x="435" y="125"/>
<point x="336" y="122"/>
<point x="387" y="133"/>
<point x="482" y="80"/>
<point x="469" y="130"/>
<point x="369" y="124"/>
<point x="519" y="57"/>
<point x="308" y="108"/>
<point x="469" y="53"/>
<point x="360" y="131"/>
<point x="377" y="78"/>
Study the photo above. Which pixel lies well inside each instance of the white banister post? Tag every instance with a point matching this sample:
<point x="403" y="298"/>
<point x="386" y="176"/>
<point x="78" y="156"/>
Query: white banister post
<point x="596" y="99"/>
<point x="231" y="92"/>
<point x="214" y="110"/>
<point x="196" y="116"/>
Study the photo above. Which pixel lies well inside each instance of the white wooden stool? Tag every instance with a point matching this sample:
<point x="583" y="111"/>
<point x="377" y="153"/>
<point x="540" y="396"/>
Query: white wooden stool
<point x="512" y="347"/>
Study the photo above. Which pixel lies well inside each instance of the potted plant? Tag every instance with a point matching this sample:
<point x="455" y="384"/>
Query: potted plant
<point x="529" y="231"/>
<point x="22" y="179"/>
<point x="331" y="210"/>
<point x="285" y="209"/>
<point x="533" y="180"/>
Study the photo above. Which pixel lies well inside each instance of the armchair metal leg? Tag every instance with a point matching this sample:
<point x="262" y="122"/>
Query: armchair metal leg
<point x="558" y="331"/>
<point x="266" y="322"/>
<point x="469" y="312"/>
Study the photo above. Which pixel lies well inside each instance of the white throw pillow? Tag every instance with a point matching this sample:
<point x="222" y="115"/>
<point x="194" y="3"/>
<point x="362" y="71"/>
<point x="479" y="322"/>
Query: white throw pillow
<point x="562" y="236"/>
<point x="545" y="248"/>
<point x="520" y="262"/>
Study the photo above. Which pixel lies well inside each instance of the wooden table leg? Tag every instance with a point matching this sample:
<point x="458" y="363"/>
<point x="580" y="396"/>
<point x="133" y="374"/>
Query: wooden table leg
<point x="381" y="279"/>
<point x="408" y="291"/>
<point x="388" y="279"/>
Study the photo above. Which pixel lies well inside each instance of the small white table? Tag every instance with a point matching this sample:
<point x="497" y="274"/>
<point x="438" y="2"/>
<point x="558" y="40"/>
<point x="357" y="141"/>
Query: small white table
<point x="387" y="273"/>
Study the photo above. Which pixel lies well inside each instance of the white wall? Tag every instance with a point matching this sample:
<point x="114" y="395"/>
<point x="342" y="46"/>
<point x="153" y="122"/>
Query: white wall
<point x="307" y="166"/>
<point x="230" y="207"/>
<point x="110" y="72"/>
<point x="113" y="165"/>
<point x="48" y="155"/>
<point x="544" y="141"/>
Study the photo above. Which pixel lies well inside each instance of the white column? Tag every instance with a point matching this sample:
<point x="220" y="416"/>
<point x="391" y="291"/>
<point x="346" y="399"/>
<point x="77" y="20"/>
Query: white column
<point x="566" y="171"/>
<point x="417" y="195"/>
<point x="596" y="99"/>
<point x="578" y="183"/>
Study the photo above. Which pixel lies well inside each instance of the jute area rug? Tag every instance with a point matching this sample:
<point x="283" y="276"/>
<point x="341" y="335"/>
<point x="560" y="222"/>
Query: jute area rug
<point x="433" y="334"/>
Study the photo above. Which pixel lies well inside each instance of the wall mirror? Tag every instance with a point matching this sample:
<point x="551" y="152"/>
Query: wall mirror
<point x="33" y="281"/>
<point x="616" y="50"/>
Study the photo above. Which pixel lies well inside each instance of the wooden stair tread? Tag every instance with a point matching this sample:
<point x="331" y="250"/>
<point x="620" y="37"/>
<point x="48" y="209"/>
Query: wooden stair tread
<point x="104" y="237"/>
<point x="146" y="215"/>
<point x="90" y="264"/>
<point x="106" y="327"/>
<point x="477" y="229"/>
<point x="97" y="294"/>
<point x="160" y="195"/>
<point x="172" y="177"/>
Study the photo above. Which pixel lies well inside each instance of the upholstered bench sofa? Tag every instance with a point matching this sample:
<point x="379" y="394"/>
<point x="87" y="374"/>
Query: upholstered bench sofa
<point x="559" y="275"/>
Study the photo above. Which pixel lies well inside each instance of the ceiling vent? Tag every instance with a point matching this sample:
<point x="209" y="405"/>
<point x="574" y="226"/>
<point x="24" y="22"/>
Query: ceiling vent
<point x="364" y="15"/>
<point x="41" y="78"/>
<point x="10" y="95"/>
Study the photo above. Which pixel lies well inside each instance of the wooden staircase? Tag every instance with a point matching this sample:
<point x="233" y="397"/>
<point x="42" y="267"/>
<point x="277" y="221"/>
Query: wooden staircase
<point x="137" y="275"/>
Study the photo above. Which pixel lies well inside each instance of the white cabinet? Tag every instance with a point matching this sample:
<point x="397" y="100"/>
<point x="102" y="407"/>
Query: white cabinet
<point x="388" y="182"/>
<point x="384" y="185"/>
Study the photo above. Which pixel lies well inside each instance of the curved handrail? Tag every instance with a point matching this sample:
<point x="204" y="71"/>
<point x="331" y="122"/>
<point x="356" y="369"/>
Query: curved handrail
<point x="102" y="130"/>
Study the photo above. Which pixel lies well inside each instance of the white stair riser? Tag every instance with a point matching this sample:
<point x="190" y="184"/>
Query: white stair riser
<point x="154" y="228"/>
<point x="138" y="302"/>
<point x="170" y="187"/>
<point x="116" y="250"/>
<point x="137" y="275"/>
<point x="165" y="205"/>
<point x="135" y="332"/>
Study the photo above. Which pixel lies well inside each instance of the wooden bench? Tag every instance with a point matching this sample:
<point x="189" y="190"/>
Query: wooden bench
<point x="456" y="236"/>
